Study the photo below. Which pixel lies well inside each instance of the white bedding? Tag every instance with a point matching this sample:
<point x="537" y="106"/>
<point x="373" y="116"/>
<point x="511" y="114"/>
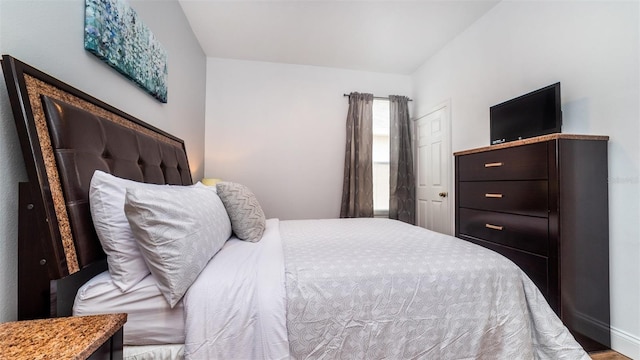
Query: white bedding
<point x="236" y="307"/>
<point x="153" y="352"/>
<point x="150" y="319"/>
<point x="368" y="289"/>
<point x="364" y="288"/>
<point x="382" y="289"/>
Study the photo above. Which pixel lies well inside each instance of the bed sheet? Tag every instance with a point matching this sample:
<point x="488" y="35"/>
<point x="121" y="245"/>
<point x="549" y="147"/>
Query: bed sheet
<point x="150" y="319"/>
<point x="154" y="352"/>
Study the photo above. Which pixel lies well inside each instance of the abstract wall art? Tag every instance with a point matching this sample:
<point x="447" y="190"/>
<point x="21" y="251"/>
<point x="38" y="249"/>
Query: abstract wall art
<point x="115" y="34"/>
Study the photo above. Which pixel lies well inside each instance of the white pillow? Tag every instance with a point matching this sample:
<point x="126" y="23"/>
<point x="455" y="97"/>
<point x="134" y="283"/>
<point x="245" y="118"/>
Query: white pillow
<point x="106" y="199"/>
<point x="201" y="185"/>
<point x="178" y="230"/>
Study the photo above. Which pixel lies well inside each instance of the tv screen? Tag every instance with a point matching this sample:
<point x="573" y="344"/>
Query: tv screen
<point x="533" y="114"/>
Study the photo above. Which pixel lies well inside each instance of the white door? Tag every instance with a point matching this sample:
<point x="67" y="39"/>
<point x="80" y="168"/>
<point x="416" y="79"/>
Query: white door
<point x="433" y="164"/>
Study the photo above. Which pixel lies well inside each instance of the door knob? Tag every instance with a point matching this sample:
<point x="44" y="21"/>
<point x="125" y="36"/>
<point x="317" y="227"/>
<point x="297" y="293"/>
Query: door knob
<point x="443" y="194"/>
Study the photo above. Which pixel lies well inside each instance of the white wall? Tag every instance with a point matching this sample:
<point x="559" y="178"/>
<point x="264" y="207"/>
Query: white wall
<point x="49" y="36"/>
<point x="592" y="48"/>
<point x="280" y="130"/>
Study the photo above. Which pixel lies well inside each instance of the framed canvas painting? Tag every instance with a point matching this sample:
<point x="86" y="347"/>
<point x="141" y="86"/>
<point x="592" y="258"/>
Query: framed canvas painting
<point x="115" y="34"/>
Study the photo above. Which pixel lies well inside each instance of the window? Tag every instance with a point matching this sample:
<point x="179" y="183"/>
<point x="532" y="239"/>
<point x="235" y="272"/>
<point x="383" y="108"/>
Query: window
<point x="381" y="157"/>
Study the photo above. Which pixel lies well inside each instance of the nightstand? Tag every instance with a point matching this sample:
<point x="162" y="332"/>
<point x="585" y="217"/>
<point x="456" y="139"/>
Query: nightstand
<point x="76" y="337"/>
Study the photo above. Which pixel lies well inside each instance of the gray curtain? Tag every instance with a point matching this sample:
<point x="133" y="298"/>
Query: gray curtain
<point x="357" y="188"/>
<point x="402" y="185"/>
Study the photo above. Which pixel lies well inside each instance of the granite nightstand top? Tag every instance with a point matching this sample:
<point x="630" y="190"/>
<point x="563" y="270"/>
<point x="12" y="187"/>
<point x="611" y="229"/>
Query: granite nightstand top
<point x="75" y="337"/>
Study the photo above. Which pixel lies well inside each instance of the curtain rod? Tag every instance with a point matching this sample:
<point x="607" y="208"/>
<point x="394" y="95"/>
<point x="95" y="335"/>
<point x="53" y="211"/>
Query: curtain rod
<point x="376" y="97"/>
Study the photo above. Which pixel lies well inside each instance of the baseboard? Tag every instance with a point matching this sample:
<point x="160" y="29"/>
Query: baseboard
<point x="621" y="341"/>
<point x="625" y="343"/>
<point x="588" y="326"/>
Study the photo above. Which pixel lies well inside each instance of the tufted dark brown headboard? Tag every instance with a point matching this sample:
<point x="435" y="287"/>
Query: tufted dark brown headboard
<point x="66" y="135"/>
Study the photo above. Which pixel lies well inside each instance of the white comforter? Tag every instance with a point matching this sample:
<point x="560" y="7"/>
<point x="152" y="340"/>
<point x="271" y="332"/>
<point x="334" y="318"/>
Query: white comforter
<point x="236" y="307"/>
<point x="368" y="289"/>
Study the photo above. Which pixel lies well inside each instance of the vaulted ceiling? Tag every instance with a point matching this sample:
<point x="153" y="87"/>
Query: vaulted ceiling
<point x="393" y="36"/>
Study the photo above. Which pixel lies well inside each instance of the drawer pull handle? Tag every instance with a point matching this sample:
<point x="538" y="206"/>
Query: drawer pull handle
<point x="494" y="227"/>
<point x="495" y="164"/>
<point x="493" y="196"/>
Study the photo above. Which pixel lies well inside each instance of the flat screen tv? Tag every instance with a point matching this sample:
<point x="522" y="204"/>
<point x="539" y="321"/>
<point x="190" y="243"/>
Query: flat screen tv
<point x="533" y="114"/>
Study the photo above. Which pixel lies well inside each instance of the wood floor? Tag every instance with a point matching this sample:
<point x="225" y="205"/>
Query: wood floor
<point x="607" y="355"/>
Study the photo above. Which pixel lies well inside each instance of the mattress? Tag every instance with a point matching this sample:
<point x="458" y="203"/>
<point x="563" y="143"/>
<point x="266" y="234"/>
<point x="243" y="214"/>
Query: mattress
<point x="150" y="320"/>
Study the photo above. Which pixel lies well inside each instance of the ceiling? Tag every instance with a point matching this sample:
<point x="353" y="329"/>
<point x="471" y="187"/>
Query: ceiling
<point x="393" y="36"/>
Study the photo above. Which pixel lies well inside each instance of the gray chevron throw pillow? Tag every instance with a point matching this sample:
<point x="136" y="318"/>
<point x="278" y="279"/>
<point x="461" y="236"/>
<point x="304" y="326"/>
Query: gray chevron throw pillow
<point x="247" y="217"/>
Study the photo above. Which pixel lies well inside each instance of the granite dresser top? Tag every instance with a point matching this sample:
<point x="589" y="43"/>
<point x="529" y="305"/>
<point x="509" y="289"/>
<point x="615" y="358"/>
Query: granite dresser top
<point x="533" y="140"/>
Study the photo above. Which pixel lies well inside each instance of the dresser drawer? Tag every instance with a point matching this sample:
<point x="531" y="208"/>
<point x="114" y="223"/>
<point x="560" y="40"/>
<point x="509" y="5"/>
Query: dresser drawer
<point x="526" y="162"/>
<point x="518" y="197"/>
<point x="536" y="267"/>
<point x="521" y="232"/>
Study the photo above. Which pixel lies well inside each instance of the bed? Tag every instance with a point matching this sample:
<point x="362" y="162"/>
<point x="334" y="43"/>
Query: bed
<point x="333" y="288"/>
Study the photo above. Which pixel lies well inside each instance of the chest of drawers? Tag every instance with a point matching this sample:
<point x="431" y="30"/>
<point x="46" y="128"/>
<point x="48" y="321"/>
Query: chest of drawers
<point x="543" y="203"/>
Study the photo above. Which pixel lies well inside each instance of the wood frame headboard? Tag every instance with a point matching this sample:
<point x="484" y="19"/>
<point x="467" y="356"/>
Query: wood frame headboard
<point x="66" y="135"/>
